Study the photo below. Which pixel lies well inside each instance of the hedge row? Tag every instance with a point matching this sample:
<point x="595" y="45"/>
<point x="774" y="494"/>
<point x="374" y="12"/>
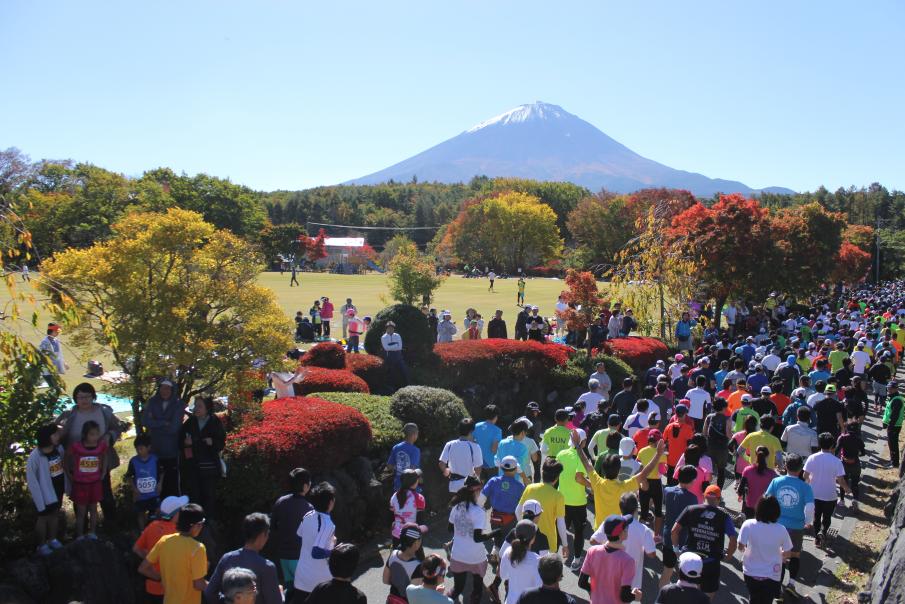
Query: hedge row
<point x="639" y="352"/>
<point x="386" y="428"/>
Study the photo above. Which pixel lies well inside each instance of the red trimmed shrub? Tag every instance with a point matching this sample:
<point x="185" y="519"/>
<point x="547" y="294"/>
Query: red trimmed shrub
<point x="469" y="358"/>
<point x="297" y="431"/>
<point x="291" y="432"/>
<point x="317" y="379"/>
<point x="328" y="355"/>
<point x="370" y="368"/>
<point x="638" y="351"/>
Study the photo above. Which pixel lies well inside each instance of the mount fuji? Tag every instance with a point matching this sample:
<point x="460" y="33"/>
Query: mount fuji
<point x="545" y="142"/>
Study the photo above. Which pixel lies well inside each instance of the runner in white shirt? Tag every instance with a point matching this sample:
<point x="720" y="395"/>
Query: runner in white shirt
<point x="860" y="359"/>
<point x="518" y="565"/>
<point x="461" y="457"/>
<point x="639" y="542"/>
<point x="699" y="398"/>
<point x="592" y="397"/>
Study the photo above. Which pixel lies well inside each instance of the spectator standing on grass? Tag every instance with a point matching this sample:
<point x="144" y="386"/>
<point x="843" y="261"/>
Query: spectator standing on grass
<point x="162" y="418"/>
<point x="85" y="465"/>
<point x="143" y="475"/>
<point x="355" y="328"/>
<point x="491" y="276"/>
<point x="339" y="589"/>
<point x="52" y="347"/>
<point x="823" y="471"/>
<point x="344" y="311"/>
<point x="46" y="480"/>
<point x="391" y="342"/>
<point x="255" y="533"/>
<point x="203" y="438"/>
<point x="326" y="315"/>
<point x="179" y="560"/>
<point x="496" y="328"/>
<point x="285" y="518"/>
<point x="87" y="409"/>
<point x="683" y="331"/>
<point x="446" y="328"/>
<point x="521" y="324"/>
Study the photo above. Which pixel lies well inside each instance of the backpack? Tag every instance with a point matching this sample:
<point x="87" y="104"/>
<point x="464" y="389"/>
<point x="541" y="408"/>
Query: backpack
<point x="716" y="433"/>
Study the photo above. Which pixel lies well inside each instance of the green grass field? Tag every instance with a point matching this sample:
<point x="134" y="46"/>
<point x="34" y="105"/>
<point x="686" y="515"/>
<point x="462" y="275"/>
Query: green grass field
<point x="368" y="292"/>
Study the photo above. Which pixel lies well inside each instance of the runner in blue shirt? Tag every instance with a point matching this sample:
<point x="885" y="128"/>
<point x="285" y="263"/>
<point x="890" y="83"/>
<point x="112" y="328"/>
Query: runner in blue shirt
<point x="488" y="436"/>
<point x="515" y="446"/>
<point x="404" y="455"/>
<point x="796" y="504"/>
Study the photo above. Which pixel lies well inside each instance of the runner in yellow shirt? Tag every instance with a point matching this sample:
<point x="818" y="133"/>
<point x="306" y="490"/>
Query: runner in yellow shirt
<point x="608" y="489"/>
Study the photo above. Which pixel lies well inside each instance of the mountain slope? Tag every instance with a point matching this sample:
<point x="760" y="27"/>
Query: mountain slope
<point x="545" y="142"/>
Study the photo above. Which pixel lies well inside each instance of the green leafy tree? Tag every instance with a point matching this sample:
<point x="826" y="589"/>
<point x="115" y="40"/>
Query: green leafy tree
<point x="412" y="278"/>
<point x="398" y="244"/>
<point x="507" y="231"/>
<point x="170" y="295"/>
<point x="283" y="240"/>
<point x="602" y="224"/>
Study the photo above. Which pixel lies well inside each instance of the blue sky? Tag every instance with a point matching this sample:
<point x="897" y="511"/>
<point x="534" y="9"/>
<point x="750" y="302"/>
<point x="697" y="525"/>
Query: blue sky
<point x="292" y="94"/>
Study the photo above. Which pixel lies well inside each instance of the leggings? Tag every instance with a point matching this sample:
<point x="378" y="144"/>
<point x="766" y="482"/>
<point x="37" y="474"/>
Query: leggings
<point x="762" y="591"/>
<point x="853" y="476"/>
<point x="823" y="515"/>
<point x="654" y="493"/>
<point x="576" y="519"/>
<point x="477" y="586"/>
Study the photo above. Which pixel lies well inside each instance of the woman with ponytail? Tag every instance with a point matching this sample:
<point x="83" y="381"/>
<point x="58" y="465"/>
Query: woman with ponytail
<point x="407" y="504"/>
<point x="518" y="565"/>
<point x="755" y="480"/>
<point x="403" y="567"/>
<point x="431" y="590"/>
<point x="467" y="555"/>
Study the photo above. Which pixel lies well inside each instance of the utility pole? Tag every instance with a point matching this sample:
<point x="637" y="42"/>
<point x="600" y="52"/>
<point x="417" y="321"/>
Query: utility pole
<point x="877" y="272"/>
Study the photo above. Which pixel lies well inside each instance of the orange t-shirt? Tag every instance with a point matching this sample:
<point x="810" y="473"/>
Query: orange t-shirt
<point x="148" y="539"/>
<point x="781" y="401"/>
<point x="677" y="441"/>
<point x="735" y="400"/>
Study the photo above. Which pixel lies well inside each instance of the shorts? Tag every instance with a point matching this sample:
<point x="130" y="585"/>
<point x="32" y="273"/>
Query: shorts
<point x="719" y="456"/>
<point x="710" y="576"/>
<point x="797" y="537"/>
<point x="879" y="389"/>
<point x="148" y="506"/>
<point x="456" y="567"/>
<point x="288" y="569"/>
<point x="87" y="493"/>
<point x="669" y="556"/>
<point x="51" y="509"/>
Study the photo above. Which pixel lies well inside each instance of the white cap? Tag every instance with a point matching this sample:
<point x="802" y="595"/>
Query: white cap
<point x="582" y="435"/>
<point x="691" y="565"/>
<point x="766" y="390"/>
<point x="799" y="393"/>
<point x="533" y="507"/>
<point x="509" y="463"/>
<point x="746" y="397"/>
<point x="170" y="505"/>
<point x="626" y="446"/>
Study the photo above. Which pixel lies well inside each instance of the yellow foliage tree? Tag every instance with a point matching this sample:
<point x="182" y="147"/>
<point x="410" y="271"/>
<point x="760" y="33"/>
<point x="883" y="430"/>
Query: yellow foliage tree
<point x="506" y="231"/>
<point x="170" y="295"/>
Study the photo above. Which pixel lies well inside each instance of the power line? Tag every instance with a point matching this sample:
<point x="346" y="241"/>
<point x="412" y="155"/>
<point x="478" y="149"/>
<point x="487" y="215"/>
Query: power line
<point x="374" y="228"/>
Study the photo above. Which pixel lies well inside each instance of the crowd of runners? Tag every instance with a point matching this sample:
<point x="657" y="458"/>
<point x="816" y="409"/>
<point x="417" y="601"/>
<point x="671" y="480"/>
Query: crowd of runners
<point x="768" y="412"/>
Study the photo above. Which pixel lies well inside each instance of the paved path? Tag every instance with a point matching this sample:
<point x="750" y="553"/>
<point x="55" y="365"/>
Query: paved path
<point x="817" y="566"/>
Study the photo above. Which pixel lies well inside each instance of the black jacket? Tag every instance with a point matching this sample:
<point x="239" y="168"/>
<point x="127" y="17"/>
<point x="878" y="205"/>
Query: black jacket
<point x="200" y="456"/>
<point x="497" y="329"/>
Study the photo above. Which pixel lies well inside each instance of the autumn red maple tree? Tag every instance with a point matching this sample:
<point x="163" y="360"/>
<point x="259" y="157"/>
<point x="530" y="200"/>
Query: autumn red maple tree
<point x="317" y="247"/>
<point x="851" y="264"/>
<point x="582" y="291"/>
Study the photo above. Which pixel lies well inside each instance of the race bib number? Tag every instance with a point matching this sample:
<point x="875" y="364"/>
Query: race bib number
<point x="56" y="467"/>
<point x="89" y="464"/>
<point x="146" y="485"/>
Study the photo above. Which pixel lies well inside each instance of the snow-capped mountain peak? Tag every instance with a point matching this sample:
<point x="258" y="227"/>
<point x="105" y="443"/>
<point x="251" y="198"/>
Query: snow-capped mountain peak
<point x="524" y="113"/>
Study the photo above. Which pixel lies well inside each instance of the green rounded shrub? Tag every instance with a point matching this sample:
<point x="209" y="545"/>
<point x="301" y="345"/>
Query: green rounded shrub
<point x="437" y="412"/>
<point x="386" y="429"/>
<point x="417" y="337"/>
<point x="581" y="365"/>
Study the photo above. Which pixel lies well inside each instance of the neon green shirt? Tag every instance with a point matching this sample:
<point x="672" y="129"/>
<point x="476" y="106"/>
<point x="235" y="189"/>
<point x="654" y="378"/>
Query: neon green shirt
<point x="572" y="491"/>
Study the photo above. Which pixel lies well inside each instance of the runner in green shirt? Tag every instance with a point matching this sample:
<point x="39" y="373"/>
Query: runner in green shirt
<point x="556" y="438"/>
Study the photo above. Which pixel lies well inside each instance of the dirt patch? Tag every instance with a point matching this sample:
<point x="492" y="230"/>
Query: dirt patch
<point x="858" y="555"/>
